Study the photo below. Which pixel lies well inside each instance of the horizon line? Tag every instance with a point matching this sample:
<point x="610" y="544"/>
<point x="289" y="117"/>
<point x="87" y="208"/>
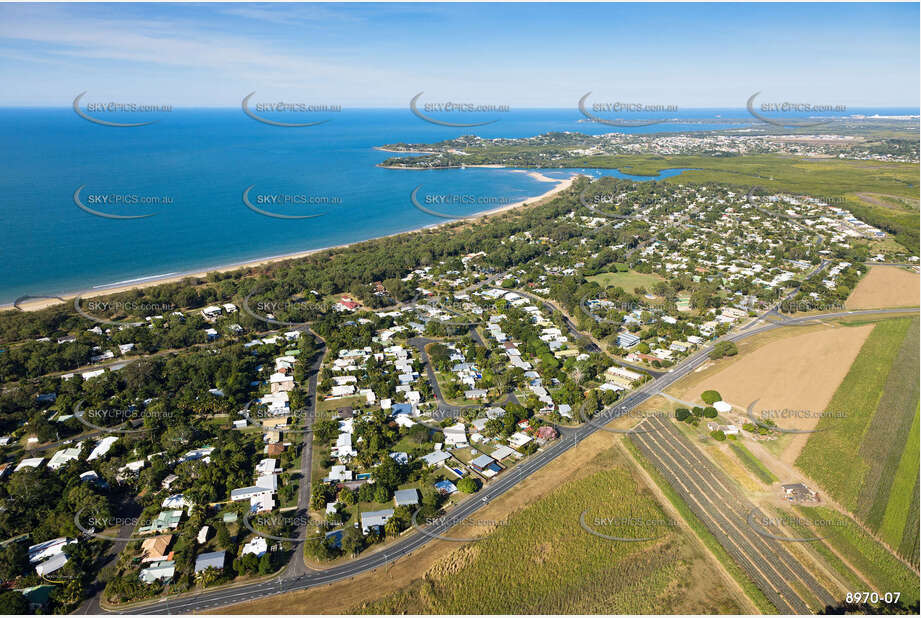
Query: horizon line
<point x="361" y="107"/>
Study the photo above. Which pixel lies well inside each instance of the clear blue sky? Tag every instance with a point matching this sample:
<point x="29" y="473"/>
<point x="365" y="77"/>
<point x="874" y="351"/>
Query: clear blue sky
<point x="522" y="55"/>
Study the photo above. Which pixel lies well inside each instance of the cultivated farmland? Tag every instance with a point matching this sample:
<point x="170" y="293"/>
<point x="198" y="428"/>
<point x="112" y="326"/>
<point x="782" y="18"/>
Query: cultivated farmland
<point x="865" y="459"/>
<point x="862" y="552"/>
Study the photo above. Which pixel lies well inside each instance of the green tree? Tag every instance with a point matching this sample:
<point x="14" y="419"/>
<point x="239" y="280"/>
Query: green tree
<point x="14" y="560"/>
<point x="352" y="541"/>
<point x="223" y="536"/>
<point x="13" y="602"/>
<point x="711" y="397"/>
<point x="346" y="496"/>
<point x="467" y="485"/>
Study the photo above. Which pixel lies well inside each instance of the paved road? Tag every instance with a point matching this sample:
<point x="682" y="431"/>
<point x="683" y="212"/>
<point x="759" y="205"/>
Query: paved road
<point x="296" y="566"/>
<point x="414" y="540"/>
<point x="445" y="409"/>
<point x="128" y="509"/>
<point x="590" y="345"/>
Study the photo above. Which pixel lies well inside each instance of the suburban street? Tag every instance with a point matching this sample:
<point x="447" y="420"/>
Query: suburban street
<point x="413" y="540"/>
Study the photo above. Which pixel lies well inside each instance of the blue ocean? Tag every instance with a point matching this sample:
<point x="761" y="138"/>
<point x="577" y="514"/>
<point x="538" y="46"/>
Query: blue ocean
<point x="189" y="171"/>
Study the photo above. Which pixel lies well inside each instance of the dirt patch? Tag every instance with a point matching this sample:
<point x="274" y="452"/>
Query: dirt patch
<point x="886" y="286"/>
<point x="798" y="373"/>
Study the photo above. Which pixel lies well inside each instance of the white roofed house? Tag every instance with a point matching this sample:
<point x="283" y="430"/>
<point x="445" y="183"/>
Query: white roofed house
<point x="102" y="447"/>
<point x="280" y="382"/>
<point x="344" y="390"/>
<point x="519" y="439"/>
<point x="211" y="313"/>
<point x="455" y="435"/>
<point x="375" y="519"/>
<point x="49" y="556"/>
<point x="256" y="546"/>
<point x="176" y="501"/>
<point x="338" y="473"/>
<point x="63" y="457"/>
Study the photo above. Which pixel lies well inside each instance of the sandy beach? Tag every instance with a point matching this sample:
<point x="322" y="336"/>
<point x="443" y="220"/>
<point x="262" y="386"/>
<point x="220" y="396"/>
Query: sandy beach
<point x="41" y="303"/>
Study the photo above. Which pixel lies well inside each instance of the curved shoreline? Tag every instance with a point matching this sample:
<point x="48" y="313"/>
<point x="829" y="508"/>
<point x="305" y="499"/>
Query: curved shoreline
<point x="146" y="282"/>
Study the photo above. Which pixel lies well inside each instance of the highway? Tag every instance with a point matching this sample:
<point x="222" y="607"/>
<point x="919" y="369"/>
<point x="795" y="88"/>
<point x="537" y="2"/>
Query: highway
<point x="413" y="540"/>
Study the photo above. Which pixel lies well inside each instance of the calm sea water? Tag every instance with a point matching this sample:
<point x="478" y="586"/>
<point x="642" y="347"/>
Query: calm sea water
<point x="201" y="161"/>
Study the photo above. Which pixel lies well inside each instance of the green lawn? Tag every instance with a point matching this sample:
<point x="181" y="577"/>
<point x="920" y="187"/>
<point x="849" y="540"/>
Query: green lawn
<point x="860" y="458"/>
<point x="753" y="463"/>
<point x="335" y="404"/>
<point x="628" y="280"/>
<point x="903" y="500"/>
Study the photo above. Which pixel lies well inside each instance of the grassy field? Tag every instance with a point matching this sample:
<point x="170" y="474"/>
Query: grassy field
<point x="627" y="280"/>
<point x="753" y="463"/>
<point x="859" y="458"/>
<point x="903" y="499"/>
<point x="840" y="533"/>
<point x="542" y="561"/>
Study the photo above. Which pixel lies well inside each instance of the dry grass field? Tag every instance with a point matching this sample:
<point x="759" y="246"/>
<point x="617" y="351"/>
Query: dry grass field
<point x="886" y="286"/>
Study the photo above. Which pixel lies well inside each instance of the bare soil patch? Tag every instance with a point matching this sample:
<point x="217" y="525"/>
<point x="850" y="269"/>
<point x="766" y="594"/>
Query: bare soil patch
<point x="798" y="372"/>
<point x="886" y="286"/>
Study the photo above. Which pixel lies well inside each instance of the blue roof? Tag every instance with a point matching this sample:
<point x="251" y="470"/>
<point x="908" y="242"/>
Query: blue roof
<point x="447" y="486"/>
<point x="211" y="559"/>
<point x="401" y="408"/>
